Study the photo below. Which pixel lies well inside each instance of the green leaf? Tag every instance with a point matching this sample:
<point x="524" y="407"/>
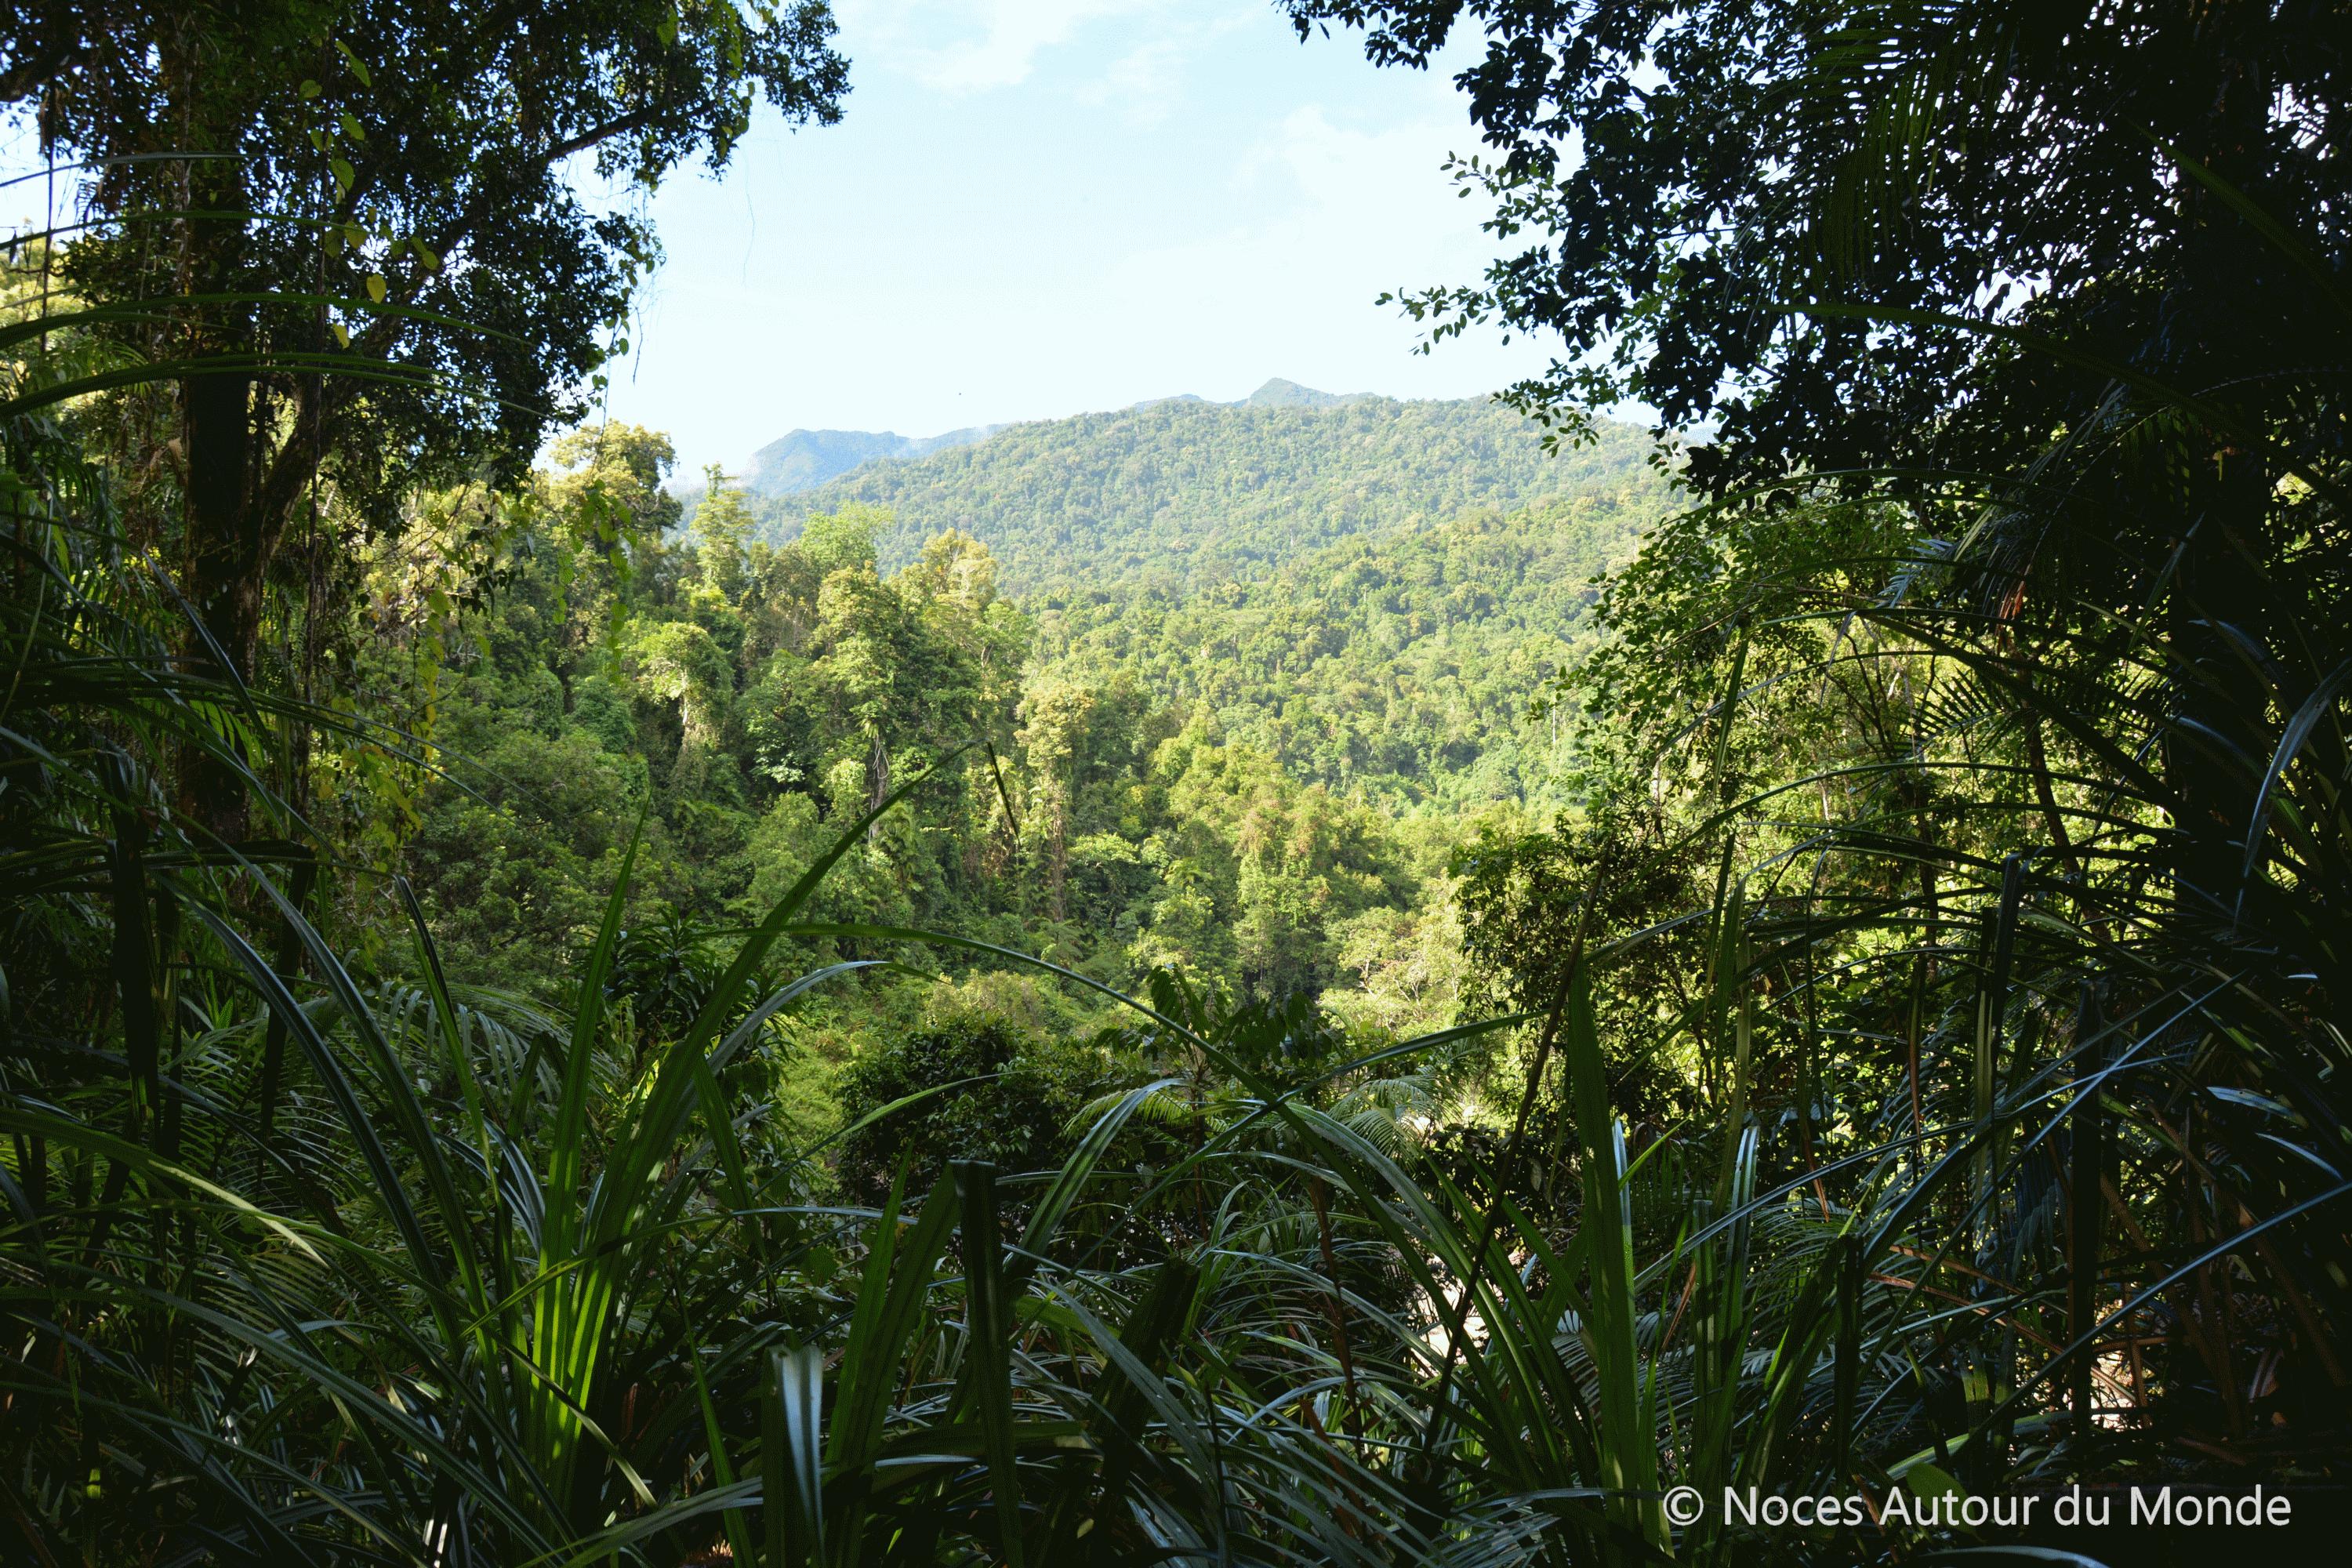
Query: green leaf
<point x="1929" y="1483"/>
<point x="2249" y="1099"/>
<point x="1139" y="1351"/>
<point x="342" y="335"/>
<point x="310" y="87"/>
<point x="666" y="30"/>
<point x="352" y="126"/>
<point x="987" y="1381"/>
<point x="738" y="1531"/>
<point x="343" y="175"/>
<point x="353" y="61"/>
<point x="889" y="1309"/>
<point x="425" y="254"/>
<point x="1050" y="1210"/>
<point x="1628" y="1451"/>
<point x="792" y="1459"/>
<point x="375" y="287"/>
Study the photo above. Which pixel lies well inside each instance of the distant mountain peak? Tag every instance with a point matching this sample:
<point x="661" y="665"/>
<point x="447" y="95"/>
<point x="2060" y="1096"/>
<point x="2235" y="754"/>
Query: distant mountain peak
<point x="804" y="460"/>
<point x="1280" y="393"/>
<point x="1275" y="393"/>
<point x="1187" y="492"/>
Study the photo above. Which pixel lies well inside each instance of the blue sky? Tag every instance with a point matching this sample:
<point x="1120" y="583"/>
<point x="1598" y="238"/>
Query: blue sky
<point x="1033" y="208"/>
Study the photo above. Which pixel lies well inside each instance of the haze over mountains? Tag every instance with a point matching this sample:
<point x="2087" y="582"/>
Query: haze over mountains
<point x="806" y="458"/>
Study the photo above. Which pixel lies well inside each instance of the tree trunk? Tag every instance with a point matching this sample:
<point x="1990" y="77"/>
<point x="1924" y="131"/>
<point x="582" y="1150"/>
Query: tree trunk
<point x="2209" y="349"/>
<point x="225" y="560"/>
<point x="224" y="578"/>
<point x="244" y="478"/>
<point x="2216" y="756"/>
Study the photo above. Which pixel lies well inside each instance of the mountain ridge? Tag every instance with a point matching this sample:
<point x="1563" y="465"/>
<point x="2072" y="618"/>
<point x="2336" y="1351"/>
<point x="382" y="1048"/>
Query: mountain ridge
<point x="803" y="459"/>
<point x="1193" y="492"/>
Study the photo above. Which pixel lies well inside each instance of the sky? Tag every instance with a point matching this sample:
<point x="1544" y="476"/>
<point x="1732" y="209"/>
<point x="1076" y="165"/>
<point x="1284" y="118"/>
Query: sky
<point x="1035" y="208"/>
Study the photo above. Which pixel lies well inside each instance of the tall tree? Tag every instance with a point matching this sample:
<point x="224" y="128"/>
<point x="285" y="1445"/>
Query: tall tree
<point x="723" y="523"/>
<point x="353" y="231"/>
<point x="1866" y="238"/>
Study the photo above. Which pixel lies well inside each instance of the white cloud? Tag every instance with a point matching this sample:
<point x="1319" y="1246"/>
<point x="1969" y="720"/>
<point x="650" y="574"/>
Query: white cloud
<point x="1146" y="82"/>
<point x="972" y="46"/>
<point x="1339" y="217"/>
<point x="1177" y="198"/>
<point x="1363" y="203"/>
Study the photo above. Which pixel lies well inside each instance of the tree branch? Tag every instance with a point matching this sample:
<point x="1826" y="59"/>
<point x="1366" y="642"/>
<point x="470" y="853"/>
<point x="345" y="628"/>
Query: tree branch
<point x="605" y="133"/>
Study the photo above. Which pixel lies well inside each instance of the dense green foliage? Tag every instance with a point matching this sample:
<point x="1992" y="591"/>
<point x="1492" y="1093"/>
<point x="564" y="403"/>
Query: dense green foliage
<point x="1869" y="238"/>
<point x="1399" y="664"/>
<point x="1176" y="494"/>
<point x="909" y="1046"/>
<point x="1222" y="781"/>
<point x="1095" y="807"/>
<point x="330" y="263"/>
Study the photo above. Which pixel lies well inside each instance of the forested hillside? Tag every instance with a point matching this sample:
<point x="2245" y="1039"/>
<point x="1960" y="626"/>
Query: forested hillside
<point x="1399" y="664"/>
<point x="1186" y="986"/>
<point x="1177" y="494"/>
<point x="1221" y="781"/>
